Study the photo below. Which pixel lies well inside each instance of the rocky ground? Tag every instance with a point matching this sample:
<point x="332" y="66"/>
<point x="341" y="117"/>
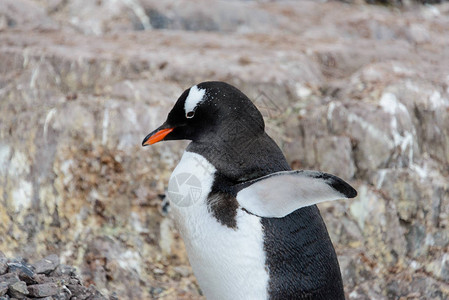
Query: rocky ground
<point x="357" y="90"/>
<point x="46" y="279"/>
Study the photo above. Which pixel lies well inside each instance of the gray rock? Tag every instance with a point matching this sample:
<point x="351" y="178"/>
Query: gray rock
<point x="416" y="240"/>
<point x="95" y="294"/>
<point x="64" y="270"/>
<point x="334" y="154"/>
<point x="3" y="288"/>
<point x="9" y="278"/>
<point x="63" y="295"/>
<point x="24" y="271"/>
<point x="439" y="267"/>
<point x="3" y="265"/>
<point x="18" y="290"/>
<point x="25" y="14"/>
<point x="42" y="278"/>
<point x="46" y="265"/>
<point x="43" y="290"/>
<point x="80" y="291"/>
<point x="209" y="16"/>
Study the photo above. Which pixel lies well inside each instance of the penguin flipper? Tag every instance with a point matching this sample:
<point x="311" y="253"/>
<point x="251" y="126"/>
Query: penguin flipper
<point x="279" y="194"/>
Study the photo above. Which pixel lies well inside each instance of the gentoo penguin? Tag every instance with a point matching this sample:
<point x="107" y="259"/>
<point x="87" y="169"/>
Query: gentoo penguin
<point x="249" y="223"/>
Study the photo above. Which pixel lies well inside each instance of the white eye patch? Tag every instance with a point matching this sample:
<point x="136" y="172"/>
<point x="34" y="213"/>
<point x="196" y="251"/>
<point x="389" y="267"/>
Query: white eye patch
<point x="194" y="98"/>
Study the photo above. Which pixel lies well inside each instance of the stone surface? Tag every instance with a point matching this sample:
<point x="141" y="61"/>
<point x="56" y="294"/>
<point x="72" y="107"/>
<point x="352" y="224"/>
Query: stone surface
<point x="364" y="96"/>
<point x="43" y="290"/>
<point x="24" y="271"/>
<point x="18" y="290"/>
<point x="3" y="265"/>
<point x="3" y="288"/>
<point x="9" y="278"/>
<point x="46" y="265"/>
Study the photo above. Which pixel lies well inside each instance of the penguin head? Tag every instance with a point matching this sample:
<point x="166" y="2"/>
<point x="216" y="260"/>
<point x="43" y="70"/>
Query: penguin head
<point x="206" y="112"/>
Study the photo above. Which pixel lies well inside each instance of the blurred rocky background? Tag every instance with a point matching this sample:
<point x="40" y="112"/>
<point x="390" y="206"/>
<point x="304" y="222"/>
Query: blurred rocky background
<point x="358" y="90"/>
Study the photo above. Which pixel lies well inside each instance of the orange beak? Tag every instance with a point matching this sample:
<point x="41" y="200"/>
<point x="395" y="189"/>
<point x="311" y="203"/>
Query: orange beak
<point x="156" y="136"/>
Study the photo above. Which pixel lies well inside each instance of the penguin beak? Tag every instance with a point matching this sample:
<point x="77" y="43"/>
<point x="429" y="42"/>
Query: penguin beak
<point x="157" y="135"/>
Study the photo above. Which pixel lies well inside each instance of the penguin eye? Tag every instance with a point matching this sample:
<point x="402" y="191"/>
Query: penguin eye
<point x="190" y="114"/>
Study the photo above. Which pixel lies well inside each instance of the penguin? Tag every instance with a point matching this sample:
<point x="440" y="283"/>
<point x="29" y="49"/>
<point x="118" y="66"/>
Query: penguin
<point x="250" y="224"/>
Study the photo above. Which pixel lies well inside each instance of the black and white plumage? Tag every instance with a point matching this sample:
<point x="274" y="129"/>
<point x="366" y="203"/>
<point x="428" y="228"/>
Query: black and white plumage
<point x="254" y="231"/>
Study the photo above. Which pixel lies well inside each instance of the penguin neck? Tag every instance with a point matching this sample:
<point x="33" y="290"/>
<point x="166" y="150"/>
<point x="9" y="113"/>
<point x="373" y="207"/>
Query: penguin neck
<point x="241" y="157"/>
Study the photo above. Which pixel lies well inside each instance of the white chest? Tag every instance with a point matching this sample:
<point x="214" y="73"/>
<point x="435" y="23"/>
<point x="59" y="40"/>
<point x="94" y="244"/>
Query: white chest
<point x="228" y="263"/>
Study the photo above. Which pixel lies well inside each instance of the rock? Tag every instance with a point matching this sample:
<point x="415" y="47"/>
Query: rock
<point x="420" y="287"/>
<point x="334" y="155"/>
<point x="440" y="267"/>
<point x="24" y="271"/>
<point x="355" y="269"/>
<point x="183" y="271"/>
<point x="95" y="294"/>
<point x="24" y="13"/>
<point x="18" y="290"/>
<point x="64" y="270"/>
<point x="222" y="16"/>
<point x="43" y="290"/>
<point x="9" y="278"/>
<point x="415" y="237"/>
<point x="3" y="266"/>
<point x="42" y="278"/>
<point x="46" y="265"/>
<point x="3" y="288"/>
<point x="82" y="292"/>
<point x="376" y="217"/>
